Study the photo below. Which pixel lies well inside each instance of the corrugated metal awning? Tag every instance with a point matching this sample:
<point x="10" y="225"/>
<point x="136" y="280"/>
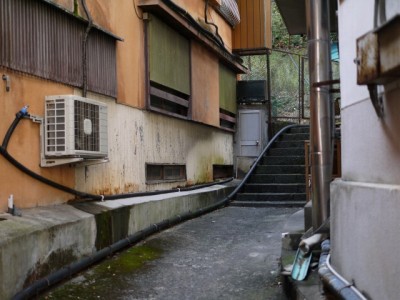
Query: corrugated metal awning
<point x="230" y="11"/>
<point x="293" y="13"/>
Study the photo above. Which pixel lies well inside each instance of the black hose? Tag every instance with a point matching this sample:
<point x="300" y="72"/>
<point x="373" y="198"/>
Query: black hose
<point x="212" y="24"/>
<point x="84" y="50"/>
<point x="10" y="132"/>
<point x="260" y="157"/>
<point x="195" y="24"/>
<point x="85" y="196"/>
<point x="18" y="116"/>
<point x="66" y="272"/>
<point x="42" y="179"/>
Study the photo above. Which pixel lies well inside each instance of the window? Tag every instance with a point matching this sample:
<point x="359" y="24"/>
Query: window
<point x="156" y="173"/>
<point x="169" y="69"/>
<point x="227" y="98"/>
<point x="222" y="171"/>
<point x="41" y="39"/>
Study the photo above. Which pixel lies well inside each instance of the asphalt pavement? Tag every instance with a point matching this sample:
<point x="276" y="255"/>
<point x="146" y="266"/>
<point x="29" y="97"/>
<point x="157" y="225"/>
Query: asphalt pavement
<point x="231" y="253"/>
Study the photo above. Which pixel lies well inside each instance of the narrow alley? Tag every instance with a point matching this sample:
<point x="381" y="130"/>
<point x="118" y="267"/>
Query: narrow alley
<point x="231" y="253"/>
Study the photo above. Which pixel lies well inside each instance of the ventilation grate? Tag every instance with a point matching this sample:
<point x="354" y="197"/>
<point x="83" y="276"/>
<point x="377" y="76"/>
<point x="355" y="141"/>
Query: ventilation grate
<point x="75" y="127"/>
<point x="86" y="126"/>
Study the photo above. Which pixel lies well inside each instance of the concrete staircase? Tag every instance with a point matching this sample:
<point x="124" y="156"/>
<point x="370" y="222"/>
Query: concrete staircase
<point x="279" y="178"/>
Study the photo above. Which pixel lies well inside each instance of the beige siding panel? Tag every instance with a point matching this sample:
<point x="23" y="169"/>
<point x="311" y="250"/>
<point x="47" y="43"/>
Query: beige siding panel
<point x="254" y="30"/>
<point x="205" y="98"/>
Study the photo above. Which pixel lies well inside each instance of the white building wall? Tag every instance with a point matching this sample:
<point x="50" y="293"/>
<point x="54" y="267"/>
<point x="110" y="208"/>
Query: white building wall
<point x="365" y="202"/>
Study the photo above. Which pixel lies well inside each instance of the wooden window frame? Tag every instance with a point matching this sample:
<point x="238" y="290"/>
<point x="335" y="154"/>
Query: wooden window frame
<point x="163" y="99"/>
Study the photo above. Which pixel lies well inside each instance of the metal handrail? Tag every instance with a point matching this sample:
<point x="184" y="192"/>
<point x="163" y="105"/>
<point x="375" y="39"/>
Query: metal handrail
<point x="260" y="157"/>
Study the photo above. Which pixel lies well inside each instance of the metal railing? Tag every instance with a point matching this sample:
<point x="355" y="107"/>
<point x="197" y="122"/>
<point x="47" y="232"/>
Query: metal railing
<point x="287" y="76"/>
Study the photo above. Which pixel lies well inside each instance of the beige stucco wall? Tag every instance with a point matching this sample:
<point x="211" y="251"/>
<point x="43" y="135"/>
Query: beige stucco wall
<point x="137" y="137"/>
<point x="24" y="145"/>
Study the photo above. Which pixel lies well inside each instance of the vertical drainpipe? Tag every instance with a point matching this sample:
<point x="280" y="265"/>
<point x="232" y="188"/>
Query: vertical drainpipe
<point x="317" y="13"/>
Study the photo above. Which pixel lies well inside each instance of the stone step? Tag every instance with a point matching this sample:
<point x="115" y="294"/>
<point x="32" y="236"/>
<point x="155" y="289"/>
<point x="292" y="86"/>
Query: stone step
<point x="271" y="197"/>
<point x="274" y="188"/>
<point x="277" y="178"/>
<point x="295" y="137"/>
<point x="283" y="160"/>
<point x="305" y="129"/>
<point x="268" y="203"/>
<point x="273" y="169"/>
<point x="286" y="152"/>
<point x="289" y="144"/>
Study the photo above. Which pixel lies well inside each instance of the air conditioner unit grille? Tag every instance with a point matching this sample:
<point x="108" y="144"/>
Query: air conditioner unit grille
<point x="75" y="127"/>
<point x="87" y="137"/>
<point x="55" y="123"/>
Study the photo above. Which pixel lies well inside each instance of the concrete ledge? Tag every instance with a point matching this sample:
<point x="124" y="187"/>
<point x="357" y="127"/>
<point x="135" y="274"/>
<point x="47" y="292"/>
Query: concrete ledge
<point x="310" y="288"/>
<point x="365" y="236"/>
<point x="45" y="239"/>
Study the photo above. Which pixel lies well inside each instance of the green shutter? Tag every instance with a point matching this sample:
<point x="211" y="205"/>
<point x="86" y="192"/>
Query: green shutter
<point x="227" y="89"/>
<point x="169" y="57"/>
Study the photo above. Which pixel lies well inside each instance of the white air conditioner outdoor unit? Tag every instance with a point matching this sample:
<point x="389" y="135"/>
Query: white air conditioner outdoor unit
<point x="75" y="127"/>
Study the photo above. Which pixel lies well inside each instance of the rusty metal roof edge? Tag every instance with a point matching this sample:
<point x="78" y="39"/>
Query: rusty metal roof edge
<point x="394" y="19"/>
<point x="59" y="7"/>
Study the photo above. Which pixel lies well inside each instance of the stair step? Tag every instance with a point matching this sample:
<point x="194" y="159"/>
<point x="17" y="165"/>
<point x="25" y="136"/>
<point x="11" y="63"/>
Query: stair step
<point x="268" y="203"/>
<point x="271" y="197"/>
<point x="305" y="129"/>
<point x="286" y="152"/>
<point x="273" y="169"/>
<point x="277" y="178"/>
<point x="289" y="144"/>
<point x="283" y="160"/>
<point x="295" y="137"/>
<point x="274" y="188"/>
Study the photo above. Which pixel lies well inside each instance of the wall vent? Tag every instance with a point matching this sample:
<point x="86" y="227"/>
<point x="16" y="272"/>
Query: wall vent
<point x="75" y="127"/>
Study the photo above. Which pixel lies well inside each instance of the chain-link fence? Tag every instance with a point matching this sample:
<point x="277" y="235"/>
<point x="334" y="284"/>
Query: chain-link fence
<point x="289" y="85"/>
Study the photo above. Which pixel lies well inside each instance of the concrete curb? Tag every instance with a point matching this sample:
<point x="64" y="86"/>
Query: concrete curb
<point x="46" y="239"/>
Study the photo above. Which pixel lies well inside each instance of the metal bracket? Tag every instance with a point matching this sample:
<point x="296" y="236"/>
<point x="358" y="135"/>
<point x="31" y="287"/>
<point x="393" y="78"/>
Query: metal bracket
<point x="36" y="119"/>
<point x="6" y="78"/>
<point x="376" y="100"/>
<point x="57" y="161"/>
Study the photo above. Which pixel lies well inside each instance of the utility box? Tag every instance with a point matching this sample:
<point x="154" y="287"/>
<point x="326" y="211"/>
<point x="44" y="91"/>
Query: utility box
<point x="378" y="59"/>
<point x="251" y="91"/>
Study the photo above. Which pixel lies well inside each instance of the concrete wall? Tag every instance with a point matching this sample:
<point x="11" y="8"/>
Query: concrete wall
<point x="365" y="202"/>
<point x="137" y="137"/>
<point x="46" y="239"/>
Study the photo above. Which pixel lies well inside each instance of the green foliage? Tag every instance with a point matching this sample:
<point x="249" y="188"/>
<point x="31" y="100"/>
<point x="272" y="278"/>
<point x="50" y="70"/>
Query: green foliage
<point x="286" y="58"/>
<point x="280" y="36"/>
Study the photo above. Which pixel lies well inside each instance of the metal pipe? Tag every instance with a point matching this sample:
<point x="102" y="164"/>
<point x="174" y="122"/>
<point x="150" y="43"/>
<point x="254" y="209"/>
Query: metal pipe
<point x="332" y="280"/>
<point x="307" y="244"/>
<point x="318" y="32"/>
<point x="269" y="99"/>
